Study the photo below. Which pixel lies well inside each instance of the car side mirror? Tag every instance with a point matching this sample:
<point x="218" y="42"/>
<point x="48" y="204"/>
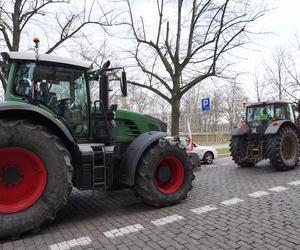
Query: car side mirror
<point x="124" y="84"/>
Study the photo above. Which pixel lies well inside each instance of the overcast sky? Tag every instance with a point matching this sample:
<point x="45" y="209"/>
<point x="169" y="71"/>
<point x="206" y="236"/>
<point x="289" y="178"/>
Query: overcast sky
<point x="282" y="23"/>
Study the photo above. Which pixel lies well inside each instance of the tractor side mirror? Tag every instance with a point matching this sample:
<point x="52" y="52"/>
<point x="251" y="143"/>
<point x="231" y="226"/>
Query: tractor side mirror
<point x="106" y="65"/>
<point x="4" y="67"/>
<point x="124" y="84"/>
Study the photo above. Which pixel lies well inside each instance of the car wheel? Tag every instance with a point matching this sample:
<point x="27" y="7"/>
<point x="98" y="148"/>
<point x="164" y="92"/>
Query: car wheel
<point x="208" y="158"/>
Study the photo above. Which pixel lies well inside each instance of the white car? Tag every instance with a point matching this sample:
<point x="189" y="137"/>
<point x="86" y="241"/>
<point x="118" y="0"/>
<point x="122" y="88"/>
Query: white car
<point x="206" y="154"/>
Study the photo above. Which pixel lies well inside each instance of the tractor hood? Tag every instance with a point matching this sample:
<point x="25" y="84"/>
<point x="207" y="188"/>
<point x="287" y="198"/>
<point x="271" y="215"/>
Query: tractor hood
<point x="131" y="124"/>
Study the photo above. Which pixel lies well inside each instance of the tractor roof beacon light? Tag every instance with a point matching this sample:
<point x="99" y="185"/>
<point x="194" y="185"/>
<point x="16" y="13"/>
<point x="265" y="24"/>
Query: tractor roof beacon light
<point x="36" y="40"/>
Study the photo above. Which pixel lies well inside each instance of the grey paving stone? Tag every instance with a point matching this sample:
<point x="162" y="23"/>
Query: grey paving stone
<point x="269" y="222"/>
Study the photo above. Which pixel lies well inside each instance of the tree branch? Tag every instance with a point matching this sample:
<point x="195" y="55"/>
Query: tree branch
<point x="6" y="38"/>
<point x="65" y="35"/>
<point x="178" y="33"/>
<point x="156" y="91"/>
<point x="28" y="15"/>
<point x="149" y="43"/>
<point x="143" y="68"/>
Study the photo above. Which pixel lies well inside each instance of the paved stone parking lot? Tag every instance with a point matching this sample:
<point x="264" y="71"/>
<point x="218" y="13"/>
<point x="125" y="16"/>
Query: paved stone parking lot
<point x="228" y="208"/>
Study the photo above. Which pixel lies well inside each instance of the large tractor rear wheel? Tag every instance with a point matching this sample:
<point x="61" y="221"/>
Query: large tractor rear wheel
<point x="238" y="149"/>
<point x="164" y="175"/>
<point x="35" y="176"/>
<point x="283" y="149"/>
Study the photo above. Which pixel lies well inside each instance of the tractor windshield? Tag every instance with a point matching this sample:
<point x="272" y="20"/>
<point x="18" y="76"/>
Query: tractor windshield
<point x="260" y="115"/>
<point x="60" y="88"/>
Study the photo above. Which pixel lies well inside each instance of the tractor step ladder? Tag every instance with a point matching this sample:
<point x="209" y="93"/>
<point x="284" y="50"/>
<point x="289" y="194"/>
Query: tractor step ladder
<point x="98" y="181"/>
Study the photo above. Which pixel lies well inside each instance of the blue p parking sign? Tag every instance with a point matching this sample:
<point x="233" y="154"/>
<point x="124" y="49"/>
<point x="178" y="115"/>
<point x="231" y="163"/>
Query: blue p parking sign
<point x="205" y="104"/>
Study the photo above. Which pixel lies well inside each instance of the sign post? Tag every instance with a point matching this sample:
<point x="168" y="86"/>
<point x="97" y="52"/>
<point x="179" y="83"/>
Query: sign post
<point x="206" y="109"/>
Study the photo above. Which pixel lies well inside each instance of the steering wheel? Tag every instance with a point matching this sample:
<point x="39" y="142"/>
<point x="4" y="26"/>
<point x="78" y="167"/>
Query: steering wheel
<point x="65" y="104"/>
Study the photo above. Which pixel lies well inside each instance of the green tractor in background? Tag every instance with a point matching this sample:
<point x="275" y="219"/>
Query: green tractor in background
<point x="54" y="138"/>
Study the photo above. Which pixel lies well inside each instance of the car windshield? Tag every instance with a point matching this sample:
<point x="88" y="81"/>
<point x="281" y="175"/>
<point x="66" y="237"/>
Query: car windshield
<point x="260" y="115"/>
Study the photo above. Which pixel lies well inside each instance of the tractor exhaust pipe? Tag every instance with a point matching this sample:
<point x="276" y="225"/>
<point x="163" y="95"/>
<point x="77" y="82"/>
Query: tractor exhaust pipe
<point x="104" y="91"/>
<point x="104" y="87"/>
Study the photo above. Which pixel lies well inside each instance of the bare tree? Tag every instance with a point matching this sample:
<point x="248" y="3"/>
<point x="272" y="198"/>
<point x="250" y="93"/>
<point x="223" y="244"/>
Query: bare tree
<point x="16" y="15"/>
<point x="216" y="113"/>
<point x="137" y="100"/>
<point x="260" y="87"/>
<point x="190" y="46"/>
<point x="234" y="97"/>
<point x="292" y="69"/>
<point x="191" y="109"/>
<point x="277" y="75"/>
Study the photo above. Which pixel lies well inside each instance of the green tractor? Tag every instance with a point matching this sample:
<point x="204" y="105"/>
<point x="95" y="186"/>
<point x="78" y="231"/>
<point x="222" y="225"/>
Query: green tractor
<point x="269" y="131"/>
<point x="54" y="138"/>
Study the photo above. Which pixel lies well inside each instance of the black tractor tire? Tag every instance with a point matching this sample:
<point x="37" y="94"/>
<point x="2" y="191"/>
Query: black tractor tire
<point x="238" y="149"/>
<point x="208" y="157"/>
<point x="40" y="143"/>
<point x="283" y="149"/>
<point x="164" y="174"/>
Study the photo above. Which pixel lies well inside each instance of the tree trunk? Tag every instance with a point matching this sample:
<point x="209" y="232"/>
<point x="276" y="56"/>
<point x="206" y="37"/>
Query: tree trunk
<point x="175" y="116"/>
<point x="16" y="25"/>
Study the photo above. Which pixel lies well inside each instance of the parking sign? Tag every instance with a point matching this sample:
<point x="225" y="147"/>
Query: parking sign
<point x="205" y="104"/>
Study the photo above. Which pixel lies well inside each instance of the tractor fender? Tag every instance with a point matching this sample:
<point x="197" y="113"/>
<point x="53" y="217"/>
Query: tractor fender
<point x="133" y="154"/>
<point x="27" y="111"/>
<point x="240" y="129"/>
<point x="274" y="127"/>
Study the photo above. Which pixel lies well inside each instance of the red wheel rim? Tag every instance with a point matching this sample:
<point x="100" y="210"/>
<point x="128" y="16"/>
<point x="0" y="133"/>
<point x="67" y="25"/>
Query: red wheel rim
<point x="174" y="179"/>
<point x="23" y="179"/>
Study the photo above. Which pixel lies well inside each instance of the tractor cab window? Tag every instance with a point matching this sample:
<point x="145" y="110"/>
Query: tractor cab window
<point x="281" y="112"/>
<point x="296" y="113"/>
<point x="61" y="89"/>
<point x="284" y="112"/>
<point x="260" y="115"/>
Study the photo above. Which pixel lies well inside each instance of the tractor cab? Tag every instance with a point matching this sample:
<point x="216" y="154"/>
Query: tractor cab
<point x="59" y="89"/>
<point x="56" y="85"/>
<point x="259" y="116"/>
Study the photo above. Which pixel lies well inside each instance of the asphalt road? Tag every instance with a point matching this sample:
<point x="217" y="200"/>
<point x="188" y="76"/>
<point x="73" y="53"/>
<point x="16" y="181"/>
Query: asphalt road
<point x="228" y="208"/>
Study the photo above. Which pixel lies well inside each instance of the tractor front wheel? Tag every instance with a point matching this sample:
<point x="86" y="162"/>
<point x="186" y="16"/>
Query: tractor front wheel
<point x="238" y="149"/>
<point x="283" y="149"/>
<point x="35" y="176"/>
<point x="164" y="175"/>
